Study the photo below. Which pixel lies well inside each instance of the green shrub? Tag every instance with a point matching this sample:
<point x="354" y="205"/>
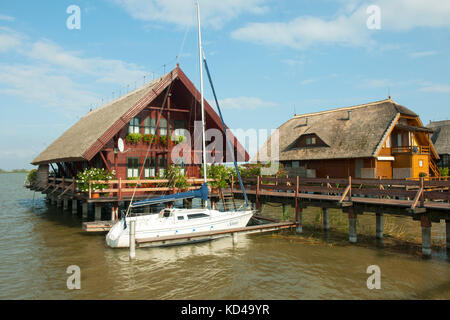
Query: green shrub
<point x="32" y="176"/>
<point x="93" y="174"/>
<point x="163" y="140"/>
<point x="134" y="137"/>
<point x="443" y="172"/>
<point x="176" y="178"/>
<point x="423" y="174"/>
<point x="148" y="138"/>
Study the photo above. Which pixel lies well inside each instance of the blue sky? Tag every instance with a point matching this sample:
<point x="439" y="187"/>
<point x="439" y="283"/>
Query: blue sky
<point x="268" y="58"/>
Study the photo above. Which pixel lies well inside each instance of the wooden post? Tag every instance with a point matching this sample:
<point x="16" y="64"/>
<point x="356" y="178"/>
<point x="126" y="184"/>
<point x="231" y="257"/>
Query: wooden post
<point x="120" y="189"/>
<point x="447" y="229"/>
<point x="85" y="210"/>
<point x="65" y="204"/>
<point x="74" y="206"/>
<point x="296" y="199"/>
<point x="350" y="191"/>
<point x="74" y="185"/>
<point x="235" y="238"/>
<point x="232" y="184"/>
<point x="132" y="239"/>
<point x="90" y="190"/>
<point x="326" y="219"/>
<point x="379" y="226"/>
<point x="426" y="235"/>
<point x="98" y="212"/>
<point x="257" y="192"/>
<point x="352" y="225"/>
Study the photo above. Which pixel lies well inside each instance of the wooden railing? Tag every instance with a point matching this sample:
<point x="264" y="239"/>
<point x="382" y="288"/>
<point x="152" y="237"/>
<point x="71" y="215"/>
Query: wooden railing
<point x="417" y="190"/>
<point x="120" y="187"/>
<point x="412" y="149"/>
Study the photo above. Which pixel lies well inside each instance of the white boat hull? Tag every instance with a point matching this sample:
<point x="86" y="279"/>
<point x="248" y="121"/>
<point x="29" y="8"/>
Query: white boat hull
<point x="156" y="225"/>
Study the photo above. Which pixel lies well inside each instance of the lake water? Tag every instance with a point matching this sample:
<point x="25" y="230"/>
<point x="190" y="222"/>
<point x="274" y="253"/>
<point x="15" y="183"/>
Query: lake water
<point x="39" y="241"/>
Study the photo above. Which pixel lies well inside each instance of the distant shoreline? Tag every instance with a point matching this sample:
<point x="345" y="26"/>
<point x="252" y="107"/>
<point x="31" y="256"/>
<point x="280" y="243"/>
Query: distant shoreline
<point x="15" y="171"/>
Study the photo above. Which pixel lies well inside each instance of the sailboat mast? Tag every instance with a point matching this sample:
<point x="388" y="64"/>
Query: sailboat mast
<point x="200" y="49"/>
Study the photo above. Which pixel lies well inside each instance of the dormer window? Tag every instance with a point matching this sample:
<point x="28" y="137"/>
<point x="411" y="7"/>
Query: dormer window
<point x="309" y="140"/>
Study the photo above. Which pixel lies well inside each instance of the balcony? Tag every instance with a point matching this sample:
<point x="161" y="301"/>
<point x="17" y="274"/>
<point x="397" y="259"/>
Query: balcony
<point x="412" y="149"/>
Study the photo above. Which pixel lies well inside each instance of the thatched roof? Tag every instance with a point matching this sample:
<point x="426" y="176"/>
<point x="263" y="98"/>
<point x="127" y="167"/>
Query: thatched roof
<point x="92" y="132"/>
<point x="441" y="136"/>
<point x="359" y="135"/>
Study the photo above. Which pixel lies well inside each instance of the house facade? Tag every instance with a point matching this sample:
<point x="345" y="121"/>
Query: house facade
<point x="441" y="141"/>
<point x="159" y="113"/>
<point x="375" y="140"/>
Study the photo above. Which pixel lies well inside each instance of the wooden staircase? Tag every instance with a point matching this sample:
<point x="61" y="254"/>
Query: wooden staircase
<point x="434" y="168"/>
<point x="227" y="200"/>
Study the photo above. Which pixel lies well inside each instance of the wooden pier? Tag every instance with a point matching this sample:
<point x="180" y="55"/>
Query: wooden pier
<point x="211" y="235"/>
<point x="426" y="200"/>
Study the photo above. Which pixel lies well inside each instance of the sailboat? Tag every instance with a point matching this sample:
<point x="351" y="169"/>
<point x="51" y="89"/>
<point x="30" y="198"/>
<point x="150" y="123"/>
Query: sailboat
<point x="179" y="221"/>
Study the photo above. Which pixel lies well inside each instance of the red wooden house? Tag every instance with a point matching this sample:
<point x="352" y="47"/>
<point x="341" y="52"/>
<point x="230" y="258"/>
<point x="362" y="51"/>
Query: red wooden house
<point x="92" y="141"/>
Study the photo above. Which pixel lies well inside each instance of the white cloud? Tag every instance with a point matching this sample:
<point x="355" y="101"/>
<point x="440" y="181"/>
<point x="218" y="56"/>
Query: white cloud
<point x="303" y="32"/>
<point x="54" y="77"/>
<point x="423" y="54"/>
<point x="436" y="88"/>
<point x="105" y="70"/>
<point x="348" y="27"/>
<point x="9" y="39"/>
<point x="6" y="18"/>
<point x="183" y="13"/>
<point x="246" y="103"/>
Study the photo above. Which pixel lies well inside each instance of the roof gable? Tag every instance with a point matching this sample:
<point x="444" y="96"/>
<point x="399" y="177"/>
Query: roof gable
<point x="351" y="132"/>
<point x="91" y="133"/>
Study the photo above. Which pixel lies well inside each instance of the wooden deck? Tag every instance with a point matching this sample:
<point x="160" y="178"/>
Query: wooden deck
<point x="207" y="236"/>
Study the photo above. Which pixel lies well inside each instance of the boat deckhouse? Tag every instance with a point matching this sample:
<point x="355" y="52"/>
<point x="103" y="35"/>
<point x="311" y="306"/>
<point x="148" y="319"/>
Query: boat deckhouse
<point x="375" y="140"/>
<point x="93" y="140"/>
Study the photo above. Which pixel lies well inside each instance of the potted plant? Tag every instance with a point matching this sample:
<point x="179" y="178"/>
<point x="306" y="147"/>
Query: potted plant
<point x="221" y="176"/>
<point x="163" y="140"/>
<point x="134" y="138"/>
<point x="178" y="140"/>
<point x="31" y="177"/>
<point x="148" y="138"/>
<point x="177" y="179"/>
<point x="93" y="174"/>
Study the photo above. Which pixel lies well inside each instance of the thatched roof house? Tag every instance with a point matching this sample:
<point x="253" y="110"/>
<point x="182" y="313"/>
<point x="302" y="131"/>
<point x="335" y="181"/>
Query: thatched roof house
<point x="441" y="140"/>
<point x="93" y="140"/>
<point x="352" y="140"/>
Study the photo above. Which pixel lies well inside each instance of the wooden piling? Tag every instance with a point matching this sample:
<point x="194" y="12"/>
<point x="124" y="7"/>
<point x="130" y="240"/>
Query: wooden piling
<point x="98" y="212"/>
<point x="85" y="210"/>
<point x="66" y="204"/>
<point x="132" y="239"/>
<point x="326" y="219"/>
<point x="379" y="226"/>
<point x="74" y="206"/>
<point x="234" y="236"/>
<point x="426" y="235"/>
<point x="352" y="225"/>
<point x="447" y="231"/>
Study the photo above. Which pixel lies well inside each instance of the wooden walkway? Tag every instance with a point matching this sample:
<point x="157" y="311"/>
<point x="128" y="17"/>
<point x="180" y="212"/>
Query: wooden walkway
<point x="415" y="196"/>
<point x="211" y="235"/>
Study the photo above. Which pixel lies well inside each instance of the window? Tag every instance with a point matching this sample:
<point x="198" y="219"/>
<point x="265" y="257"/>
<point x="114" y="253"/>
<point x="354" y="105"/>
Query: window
<point x="308" y="141"/>
<point x="149" y="126"/>
<point x="133" y="168"/>
<point x="150" y="168"/>
<point x="133" y="126"/>
<point x="197" y="216"/>
<point x="179" y="129"/>
<point x="399" y="139"/>
<point x="181" y="218"/>
<point x="421" y="163"/>
<point x="295" y="164"/>
<point x="162" y="164"/>
<point x="163" y="127"/>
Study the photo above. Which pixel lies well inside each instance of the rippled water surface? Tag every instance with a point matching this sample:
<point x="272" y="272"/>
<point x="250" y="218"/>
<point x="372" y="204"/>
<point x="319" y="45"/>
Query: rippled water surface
<point x="38" y="243"/>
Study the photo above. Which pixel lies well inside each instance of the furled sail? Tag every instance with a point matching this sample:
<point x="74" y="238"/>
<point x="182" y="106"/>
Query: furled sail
<point x="199" y="193"/>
